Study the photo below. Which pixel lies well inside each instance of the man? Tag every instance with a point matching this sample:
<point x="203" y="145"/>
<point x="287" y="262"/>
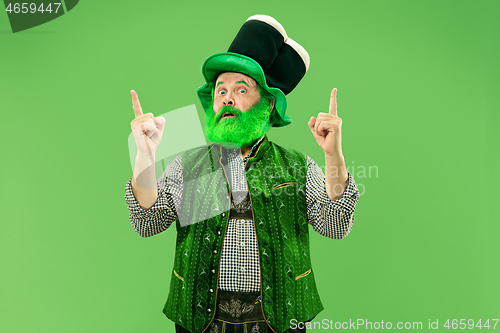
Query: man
<point x="246" y="266"/>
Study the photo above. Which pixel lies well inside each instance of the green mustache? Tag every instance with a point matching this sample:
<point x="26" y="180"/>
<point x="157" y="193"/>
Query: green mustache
<point x="225" y="109"/>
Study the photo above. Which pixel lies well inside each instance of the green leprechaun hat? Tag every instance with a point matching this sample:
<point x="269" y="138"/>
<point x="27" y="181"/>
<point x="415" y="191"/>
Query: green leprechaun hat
<point x="263" y="51"/>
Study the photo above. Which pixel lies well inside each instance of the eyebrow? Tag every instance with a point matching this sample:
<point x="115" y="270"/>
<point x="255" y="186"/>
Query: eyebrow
<point x="237" y="82"/>
<point x="243" y="83"/>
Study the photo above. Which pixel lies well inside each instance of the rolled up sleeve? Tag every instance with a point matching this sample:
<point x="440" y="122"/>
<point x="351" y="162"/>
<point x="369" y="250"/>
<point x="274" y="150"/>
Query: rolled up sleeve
<point x="331" y="218"/>
<point x="156" y="219"/>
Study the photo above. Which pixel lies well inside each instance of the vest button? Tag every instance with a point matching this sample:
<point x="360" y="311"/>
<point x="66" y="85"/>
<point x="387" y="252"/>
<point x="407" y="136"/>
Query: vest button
<point x="223" y="214"/>
<point x="211" y="290"/>
<point x="209" y="310"/>
<point x="215" y="251"/>
<point x="213" y="271"/>
<point x="218" y="232"/>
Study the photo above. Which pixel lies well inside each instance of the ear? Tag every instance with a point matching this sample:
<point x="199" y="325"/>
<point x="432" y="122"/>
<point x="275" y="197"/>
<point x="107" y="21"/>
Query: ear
<point x="272" y="104"/>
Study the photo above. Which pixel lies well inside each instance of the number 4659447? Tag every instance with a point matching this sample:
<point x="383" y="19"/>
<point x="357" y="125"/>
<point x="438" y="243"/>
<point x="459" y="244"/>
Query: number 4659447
<point x="25" y="8"/>
<point x="470" y="324"/>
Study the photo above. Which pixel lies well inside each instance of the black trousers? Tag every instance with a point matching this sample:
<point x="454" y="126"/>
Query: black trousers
<point x="238" y="312"/>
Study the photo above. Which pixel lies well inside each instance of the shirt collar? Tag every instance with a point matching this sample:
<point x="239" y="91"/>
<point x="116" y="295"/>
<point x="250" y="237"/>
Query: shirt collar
<point x="254" y="149"/>
<point x="234" y="153"/>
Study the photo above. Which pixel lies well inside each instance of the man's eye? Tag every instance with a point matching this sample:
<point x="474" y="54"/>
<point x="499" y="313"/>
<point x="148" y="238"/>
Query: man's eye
<point x="222" y="92"/>
<point x="242" y="91"/>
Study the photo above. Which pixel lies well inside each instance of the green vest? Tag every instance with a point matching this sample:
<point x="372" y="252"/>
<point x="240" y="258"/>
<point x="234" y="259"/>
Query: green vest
<point x="276" y="179"/>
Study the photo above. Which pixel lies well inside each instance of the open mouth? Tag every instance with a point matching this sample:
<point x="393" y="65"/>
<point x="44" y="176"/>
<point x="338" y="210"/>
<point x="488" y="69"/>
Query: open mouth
<point x="228" y="115"/>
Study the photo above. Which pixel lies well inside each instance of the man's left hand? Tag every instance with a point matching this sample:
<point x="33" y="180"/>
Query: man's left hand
<point x="326" y="128"/>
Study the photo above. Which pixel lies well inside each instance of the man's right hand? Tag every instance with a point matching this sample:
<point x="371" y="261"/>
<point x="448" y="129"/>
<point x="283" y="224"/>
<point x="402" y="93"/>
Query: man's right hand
<point x="148" y="132"/>
<point x="147" y="129"/>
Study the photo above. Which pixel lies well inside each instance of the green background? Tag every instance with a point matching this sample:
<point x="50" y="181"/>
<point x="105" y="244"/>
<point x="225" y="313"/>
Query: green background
<point x="418" y="94"/>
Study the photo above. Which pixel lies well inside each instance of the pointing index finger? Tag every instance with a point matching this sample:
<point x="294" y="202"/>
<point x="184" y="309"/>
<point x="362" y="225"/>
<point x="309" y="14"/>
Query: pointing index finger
<point x="333" y="103"/>
<point x="135" y="104"/>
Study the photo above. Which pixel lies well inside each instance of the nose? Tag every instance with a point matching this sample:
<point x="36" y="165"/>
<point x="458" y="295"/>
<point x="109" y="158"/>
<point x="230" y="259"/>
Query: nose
<point x="228" y="99"/>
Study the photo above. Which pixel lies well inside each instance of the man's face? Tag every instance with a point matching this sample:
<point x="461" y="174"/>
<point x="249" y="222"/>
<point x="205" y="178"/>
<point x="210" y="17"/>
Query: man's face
<point x="235" y="89"/>
<point x="240" y="115"/>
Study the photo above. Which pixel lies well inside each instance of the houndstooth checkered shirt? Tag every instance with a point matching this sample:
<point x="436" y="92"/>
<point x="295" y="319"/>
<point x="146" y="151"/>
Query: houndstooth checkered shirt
<point x="239" y="266"/>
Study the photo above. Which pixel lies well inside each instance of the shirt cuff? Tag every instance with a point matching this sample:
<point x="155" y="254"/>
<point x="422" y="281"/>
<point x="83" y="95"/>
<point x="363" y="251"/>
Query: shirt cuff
<point x="348" y="199"/>
<point x="135" y="208"/>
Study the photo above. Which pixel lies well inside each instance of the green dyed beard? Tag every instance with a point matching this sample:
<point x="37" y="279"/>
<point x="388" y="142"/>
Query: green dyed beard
<point x="243" y="130"/>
